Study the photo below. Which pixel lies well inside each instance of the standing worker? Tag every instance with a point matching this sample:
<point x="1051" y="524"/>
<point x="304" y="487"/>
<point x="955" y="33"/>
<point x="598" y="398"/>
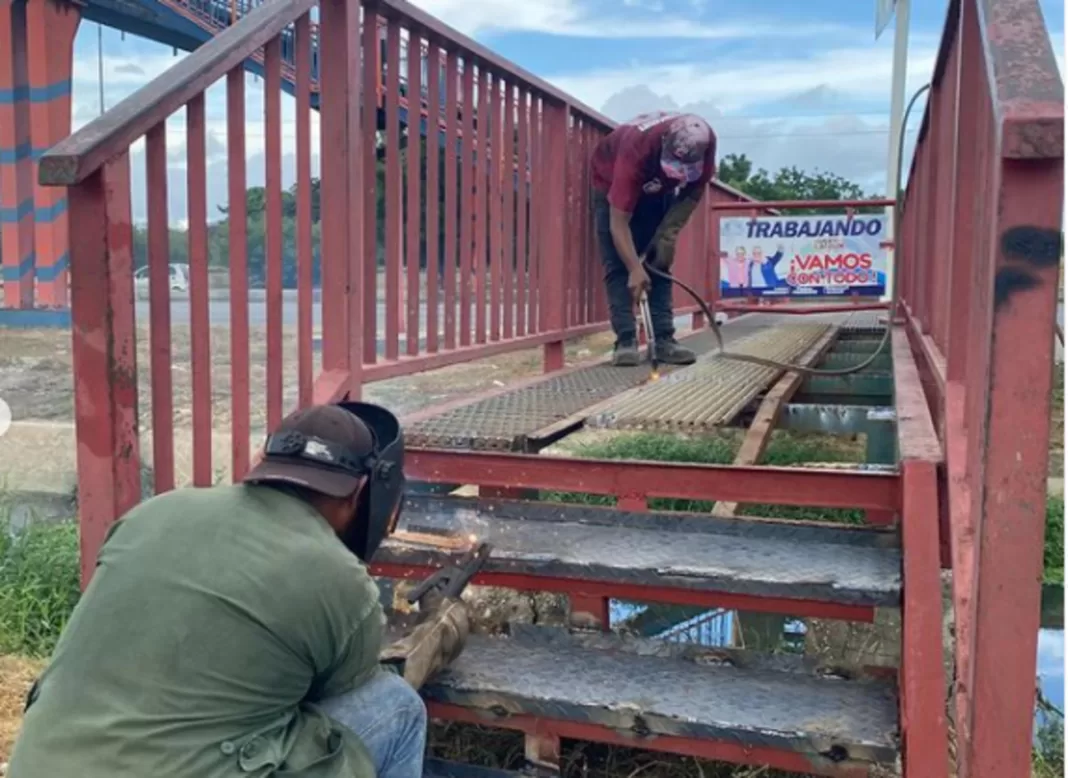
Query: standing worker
<point x="648" y="177"/>
<point x="235" y="630"/>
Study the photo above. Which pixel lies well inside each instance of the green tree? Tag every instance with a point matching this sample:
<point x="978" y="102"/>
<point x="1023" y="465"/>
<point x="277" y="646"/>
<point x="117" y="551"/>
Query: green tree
<point x="790" y="183"/>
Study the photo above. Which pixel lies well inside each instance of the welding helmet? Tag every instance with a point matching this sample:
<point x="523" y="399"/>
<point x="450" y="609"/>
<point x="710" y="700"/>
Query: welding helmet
<point x="331" y="449"/>
<point x="385" y="482"/>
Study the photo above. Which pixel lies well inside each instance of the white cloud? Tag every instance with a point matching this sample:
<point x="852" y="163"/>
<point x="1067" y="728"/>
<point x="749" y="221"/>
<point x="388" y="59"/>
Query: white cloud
<point x="854" y="72"/>
<point x="570" y="19"/>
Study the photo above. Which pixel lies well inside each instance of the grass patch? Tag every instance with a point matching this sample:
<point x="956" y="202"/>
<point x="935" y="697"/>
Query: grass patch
<point x="39" y="584"/>
<point x="1047" y="753"/>
<point x="784" y="450"/>
<point x="1053" y="553"/>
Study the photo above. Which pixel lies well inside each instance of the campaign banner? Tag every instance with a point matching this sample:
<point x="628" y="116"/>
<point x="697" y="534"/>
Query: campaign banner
<point x="801" y="256"/>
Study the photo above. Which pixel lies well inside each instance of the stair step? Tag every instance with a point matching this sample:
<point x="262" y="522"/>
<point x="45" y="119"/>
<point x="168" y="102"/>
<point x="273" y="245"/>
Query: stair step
<point x="687" y="558"/>
<point x="782" y="709"/>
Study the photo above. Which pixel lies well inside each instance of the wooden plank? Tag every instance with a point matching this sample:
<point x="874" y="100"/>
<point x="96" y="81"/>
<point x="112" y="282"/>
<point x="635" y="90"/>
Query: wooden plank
<point x="767" y="415"/>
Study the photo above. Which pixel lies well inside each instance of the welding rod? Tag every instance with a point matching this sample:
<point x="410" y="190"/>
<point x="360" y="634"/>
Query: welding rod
<point x="647" y="323"/>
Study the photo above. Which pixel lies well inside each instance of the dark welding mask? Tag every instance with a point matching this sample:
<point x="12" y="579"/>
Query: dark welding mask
<point x="385" y="480"/>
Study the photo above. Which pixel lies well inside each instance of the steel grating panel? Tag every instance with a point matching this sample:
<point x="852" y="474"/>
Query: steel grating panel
<point x="713" y="391"/>
<point x="835" y="718"/>
<point x="502" y="422"/>
<point x="798" y="562"/>
<point x="865" y="321"/>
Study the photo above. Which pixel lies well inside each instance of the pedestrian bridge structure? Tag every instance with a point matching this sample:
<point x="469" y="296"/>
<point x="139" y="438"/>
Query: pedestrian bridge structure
<point x="489" y="249"/>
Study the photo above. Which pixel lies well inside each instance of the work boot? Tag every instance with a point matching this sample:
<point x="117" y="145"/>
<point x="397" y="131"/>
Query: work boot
<point x="671" y="353"/>
<point x="626" y="355"/>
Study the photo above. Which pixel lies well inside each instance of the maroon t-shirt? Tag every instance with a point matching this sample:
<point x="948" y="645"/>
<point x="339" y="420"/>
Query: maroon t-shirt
<point x="626" y="163"/>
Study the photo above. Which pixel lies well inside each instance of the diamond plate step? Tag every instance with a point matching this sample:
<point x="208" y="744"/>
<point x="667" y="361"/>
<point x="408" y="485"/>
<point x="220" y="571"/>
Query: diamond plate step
<point x="835" y="719"/>
<point x="809" y="564"/>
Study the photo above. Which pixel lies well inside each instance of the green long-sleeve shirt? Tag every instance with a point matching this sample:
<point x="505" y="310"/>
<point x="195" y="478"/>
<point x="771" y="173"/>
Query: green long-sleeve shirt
<point x="214" y="621"/>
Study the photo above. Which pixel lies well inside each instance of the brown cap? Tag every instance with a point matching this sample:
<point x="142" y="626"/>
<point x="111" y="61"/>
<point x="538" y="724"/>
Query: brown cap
<point x="334" y="470"/>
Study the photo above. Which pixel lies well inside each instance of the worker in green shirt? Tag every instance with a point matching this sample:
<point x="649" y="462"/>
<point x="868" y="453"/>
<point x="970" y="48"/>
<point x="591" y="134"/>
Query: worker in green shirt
<point x="235" y="631"/>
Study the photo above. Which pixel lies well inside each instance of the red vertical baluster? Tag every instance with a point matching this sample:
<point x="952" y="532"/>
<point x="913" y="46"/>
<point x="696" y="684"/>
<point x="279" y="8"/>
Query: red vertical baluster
<point x="535" y="311"/>
<point x="589" y="278"/>
<point x="574" y="176"/>
<point x="452" y="194"/>
<point x="394" y="205"/>
<point x="508" y="184"/>
<point x="466" y="205"/>
<point x="965" y="180"/>
<point x="522" y="181"/>
<point x="372" y="86"/>
<point x="199" y="319"/>
<point x="339" y="123"/>
<point x="553" y="240"/>
<point x="494" y="162"/>
<point x="159" y="291"/>
<point x="356" y="263"/>
<point x="414" y="210"/>
<point x="305" y="321"/>
<point x="238" y="251"/>
<point x="433" y="193"/>
<point x="482" y="153"/>
<point x="105" y="397"/>
<point x="272" y="121"/>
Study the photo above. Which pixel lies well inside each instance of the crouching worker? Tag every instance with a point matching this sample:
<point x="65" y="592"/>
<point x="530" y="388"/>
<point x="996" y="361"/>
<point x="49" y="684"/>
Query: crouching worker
<point x="648" y="176"/>
<point x="235" y="631"/>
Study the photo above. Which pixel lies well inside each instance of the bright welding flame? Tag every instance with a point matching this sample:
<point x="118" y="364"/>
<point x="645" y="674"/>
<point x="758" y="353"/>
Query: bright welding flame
<point x="654" y="376"/>
<point x="472" y="539"/>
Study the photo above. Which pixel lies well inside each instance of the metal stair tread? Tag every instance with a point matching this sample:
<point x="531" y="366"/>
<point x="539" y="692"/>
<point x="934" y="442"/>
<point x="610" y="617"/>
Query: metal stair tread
<point x="799" y="561"/>
<point x="632" y="685"/>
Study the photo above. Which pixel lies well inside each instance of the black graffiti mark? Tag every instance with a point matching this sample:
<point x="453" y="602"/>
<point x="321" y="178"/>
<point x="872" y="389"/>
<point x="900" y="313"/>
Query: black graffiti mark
<point x="1036" y="245"/>
<point x="1009" y="281"/>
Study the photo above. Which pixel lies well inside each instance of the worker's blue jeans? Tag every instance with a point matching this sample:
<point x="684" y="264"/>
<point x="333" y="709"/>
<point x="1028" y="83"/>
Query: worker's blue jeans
<point x="647" y="216"/>
<point x="390" y="718"/>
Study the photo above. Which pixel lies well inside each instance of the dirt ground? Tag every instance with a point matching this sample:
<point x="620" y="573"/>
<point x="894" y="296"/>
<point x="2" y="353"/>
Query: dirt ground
<point x="36" y="382"/>
<point x="16" y="677"/>
<point x="35" y="374"/>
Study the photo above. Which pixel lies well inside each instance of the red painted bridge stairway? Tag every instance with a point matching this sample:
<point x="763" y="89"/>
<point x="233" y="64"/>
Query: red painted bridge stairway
<point x="778" y="709"/>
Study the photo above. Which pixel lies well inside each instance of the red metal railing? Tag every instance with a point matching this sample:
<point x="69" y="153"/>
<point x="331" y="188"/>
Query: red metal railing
<point x="476" y="260"/>
<point x="977" y="274"/>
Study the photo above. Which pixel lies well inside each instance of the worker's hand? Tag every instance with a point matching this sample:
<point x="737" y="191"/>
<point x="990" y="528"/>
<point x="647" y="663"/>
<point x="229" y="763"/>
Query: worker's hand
<point x="457" y="627"/>
<point x="432" y="644"/>
<point x="638" y="282"/>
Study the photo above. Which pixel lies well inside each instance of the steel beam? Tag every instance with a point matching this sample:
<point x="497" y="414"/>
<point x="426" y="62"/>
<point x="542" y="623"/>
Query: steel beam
<point x="767" y="485"/>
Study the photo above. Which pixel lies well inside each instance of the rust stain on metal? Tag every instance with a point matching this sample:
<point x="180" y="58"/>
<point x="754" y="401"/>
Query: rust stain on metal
<point x="711" y="392"/>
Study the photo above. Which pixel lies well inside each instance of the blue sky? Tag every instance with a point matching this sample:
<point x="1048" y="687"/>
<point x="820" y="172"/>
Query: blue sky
<point x="784" y="81"/>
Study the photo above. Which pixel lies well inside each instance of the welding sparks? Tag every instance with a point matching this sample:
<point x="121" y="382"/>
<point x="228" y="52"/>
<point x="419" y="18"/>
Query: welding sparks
<point x="654" y="375"/>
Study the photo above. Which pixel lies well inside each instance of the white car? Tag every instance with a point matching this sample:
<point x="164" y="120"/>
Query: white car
<point x="179" y="278"/>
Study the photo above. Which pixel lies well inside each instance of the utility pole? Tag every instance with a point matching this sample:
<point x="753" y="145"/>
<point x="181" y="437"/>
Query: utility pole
<point x="100" y="62"/>
<point x="884" y="9"/>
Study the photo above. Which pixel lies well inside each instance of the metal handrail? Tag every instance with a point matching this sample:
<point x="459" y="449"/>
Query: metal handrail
<point x="85" y="151"/>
